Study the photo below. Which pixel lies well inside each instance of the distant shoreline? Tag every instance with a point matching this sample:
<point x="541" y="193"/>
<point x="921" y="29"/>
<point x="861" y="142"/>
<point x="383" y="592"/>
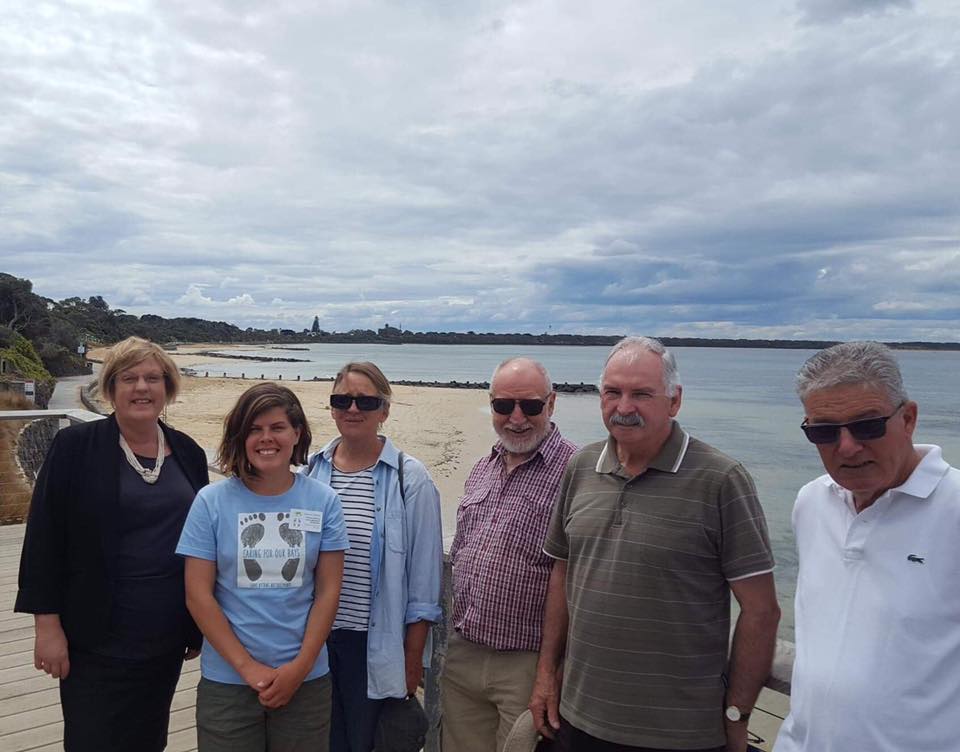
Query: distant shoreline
<point x="389" y="336"/>
<point x="562" y="387"/>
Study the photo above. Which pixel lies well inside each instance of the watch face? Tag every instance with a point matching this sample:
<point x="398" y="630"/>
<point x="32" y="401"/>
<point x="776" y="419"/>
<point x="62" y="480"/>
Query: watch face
<point x="732" y="713"/>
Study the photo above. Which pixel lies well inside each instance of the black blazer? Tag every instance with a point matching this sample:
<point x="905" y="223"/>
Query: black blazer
<point x="69" y="546"/>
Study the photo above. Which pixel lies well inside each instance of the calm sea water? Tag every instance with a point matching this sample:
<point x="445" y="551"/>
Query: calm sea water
<point x="739" y="400"/>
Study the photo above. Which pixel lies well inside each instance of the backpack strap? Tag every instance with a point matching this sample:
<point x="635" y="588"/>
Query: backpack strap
<point x="403" y="495"/>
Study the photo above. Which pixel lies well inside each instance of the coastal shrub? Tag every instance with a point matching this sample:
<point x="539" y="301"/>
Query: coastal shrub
<point x="24" y="364"/>
<point x="61" y="361"/>
<point x="15" y="499"/>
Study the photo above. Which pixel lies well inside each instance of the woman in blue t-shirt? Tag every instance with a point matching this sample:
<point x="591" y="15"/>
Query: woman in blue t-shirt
<point x="264" y="562"/>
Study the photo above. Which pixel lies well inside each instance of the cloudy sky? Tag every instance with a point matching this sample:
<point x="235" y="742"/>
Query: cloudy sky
<point x="785" y="168"/>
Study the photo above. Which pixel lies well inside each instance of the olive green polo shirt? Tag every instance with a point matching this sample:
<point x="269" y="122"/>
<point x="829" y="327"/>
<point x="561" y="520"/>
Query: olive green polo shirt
<point x="649" y="559"/>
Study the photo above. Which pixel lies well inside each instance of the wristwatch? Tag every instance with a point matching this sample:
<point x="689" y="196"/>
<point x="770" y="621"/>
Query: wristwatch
<point x="735" y="715"/>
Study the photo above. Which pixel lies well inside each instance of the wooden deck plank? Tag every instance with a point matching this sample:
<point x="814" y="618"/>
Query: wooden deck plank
<point x="13" y="635"/>
<point x="16" y="674"/>
<point x="13" y="659"/>
<point x="24" y="702"/>
<point x="30" y="716"/>
<point x="18" y="646"/>
<point x="10" y="621"/>
<point x="45" y="727"/>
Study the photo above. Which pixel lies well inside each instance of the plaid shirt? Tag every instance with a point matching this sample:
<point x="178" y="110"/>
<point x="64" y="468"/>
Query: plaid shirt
<point x="500" y="572"/>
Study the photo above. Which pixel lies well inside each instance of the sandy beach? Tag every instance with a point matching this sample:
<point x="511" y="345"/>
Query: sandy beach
<point x="447" y="429"/>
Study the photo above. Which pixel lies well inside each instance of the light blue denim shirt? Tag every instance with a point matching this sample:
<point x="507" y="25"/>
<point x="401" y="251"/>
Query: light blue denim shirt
<point x="406" y="561"/>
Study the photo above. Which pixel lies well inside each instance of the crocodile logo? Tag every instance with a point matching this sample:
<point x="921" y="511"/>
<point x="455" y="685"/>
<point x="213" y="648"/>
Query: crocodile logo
<point x="915" y="559"/>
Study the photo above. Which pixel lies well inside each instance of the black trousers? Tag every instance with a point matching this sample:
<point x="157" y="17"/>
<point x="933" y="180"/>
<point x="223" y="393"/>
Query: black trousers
<point x="572" y="739"/>
<point x="116" y="705"/>
<point x="353" y="720"/>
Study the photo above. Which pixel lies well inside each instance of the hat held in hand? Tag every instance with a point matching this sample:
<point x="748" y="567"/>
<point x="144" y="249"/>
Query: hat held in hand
<point x="402" y="726"/>
<point x="524" y="737"/>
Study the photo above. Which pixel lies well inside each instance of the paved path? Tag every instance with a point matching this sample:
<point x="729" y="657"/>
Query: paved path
<point x="66" y="394"/>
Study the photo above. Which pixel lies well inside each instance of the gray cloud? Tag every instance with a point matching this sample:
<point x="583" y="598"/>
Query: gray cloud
<point x="827" y="11"/>
<point x="494" y="166"/>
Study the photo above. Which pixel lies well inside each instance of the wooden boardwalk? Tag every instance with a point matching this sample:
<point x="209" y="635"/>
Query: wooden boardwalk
<point x="30" y="716"/>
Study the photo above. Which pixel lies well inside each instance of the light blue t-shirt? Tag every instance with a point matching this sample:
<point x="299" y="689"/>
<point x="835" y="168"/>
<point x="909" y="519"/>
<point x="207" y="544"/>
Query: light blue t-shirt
<point x="265" y="567"/>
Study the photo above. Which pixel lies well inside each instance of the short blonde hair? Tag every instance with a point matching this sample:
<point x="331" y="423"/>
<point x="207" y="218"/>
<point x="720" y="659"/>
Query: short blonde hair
<point x="372" y="372"/>
<point x="132" y="352"/>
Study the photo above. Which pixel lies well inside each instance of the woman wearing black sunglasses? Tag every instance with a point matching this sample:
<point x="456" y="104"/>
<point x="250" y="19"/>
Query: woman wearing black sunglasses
<point x="392" y="572"/>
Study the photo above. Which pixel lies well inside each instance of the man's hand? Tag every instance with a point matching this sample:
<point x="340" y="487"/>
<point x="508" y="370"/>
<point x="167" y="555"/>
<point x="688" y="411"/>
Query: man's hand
<point x="545" y="699"/>
<point x="545" y="703"/>
<point x="286" y="682"/>
<point x="736" y="735"/>
<point x="50" y="652"/>
<point x="190" y="653"/>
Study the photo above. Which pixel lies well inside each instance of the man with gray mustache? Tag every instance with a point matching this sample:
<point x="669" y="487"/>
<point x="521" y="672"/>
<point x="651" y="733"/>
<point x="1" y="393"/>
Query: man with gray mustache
<point x="651" y="532"/>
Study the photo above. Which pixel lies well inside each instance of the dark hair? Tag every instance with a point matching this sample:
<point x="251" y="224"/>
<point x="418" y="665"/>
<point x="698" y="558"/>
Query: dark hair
<point x="232" y="454"/>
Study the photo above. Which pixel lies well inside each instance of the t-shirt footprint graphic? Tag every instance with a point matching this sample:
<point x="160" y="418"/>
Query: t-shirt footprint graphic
<point x="260" y="536"/>
<point x="251" y="533"/>
<point x="294" y="539"/>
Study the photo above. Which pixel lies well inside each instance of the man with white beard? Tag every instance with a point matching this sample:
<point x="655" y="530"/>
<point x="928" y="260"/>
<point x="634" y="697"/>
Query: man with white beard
<point x="500" y="572"/>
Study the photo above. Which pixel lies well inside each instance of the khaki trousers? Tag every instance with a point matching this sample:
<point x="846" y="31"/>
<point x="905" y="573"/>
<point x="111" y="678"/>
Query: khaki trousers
<point x="483" y="691"/>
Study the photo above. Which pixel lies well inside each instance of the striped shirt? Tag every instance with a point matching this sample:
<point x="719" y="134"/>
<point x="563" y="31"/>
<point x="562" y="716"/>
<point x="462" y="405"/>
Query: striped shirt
<point x="649" y="561"/>
<point x="500" y="572"/>
<point x="356" y="496"/>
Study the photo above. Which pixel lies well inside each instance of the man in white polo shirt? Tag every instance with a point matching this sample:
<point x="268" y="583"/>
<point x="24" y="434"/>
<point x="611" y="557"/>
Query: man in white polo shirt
<point x="878" y="592"/>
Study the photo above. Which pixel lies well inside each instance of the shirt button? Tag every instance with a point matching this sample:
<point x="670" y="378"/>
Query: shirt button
<point x="378" y="509"/>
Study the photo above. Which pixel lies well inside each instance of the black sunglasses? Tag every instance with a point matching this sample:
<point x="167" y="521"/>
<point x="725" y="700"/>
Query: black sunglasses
<point x="364" y="402"/>
<point x="504" y="406"/>
<point x="865" y="429"/>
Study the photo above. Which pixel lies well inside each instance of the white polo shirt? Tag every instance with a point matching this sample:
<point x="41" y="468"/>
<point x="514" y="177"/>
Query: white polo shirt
<point x="878" y="617"/>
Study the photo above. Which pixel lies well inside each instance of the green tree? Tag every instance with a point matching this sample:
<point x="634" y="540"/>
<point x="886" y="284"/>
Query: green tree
<point x="20" y="308"/>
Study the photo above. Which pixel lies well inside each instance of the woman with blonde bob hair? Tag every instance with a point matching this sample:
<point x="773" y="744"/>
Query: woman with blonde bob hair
<point x="392" y="572"/>
<point x="98" y="567"/>
<point x="264" y="559"/>
<point x="131" y="352"/>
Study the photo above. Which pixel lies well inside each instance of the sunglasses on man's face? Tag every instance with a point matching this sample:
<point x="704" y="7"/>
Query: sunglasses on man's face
<point x="529" y="407"/>
<point x="364" y="402"/>
<point x="865" y="429"/>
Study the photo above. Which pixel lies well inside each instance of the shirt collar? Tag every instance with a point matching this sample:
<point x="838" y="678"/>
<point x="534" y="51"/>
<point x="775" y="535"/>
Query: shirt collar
<point x="923" y="480"/>
<point x="389" y="454"/>
<point x="547" y="449"/>
<point x="668" y="459"/>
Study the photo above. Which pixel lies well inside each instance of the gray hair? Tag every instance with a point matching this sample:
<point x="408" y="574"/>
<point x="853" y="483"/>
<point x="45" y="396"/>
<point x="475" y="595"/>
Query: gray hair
<point x="541" y="369"/>
<point x="866" y="363"/>
<point x="634" y="346"/>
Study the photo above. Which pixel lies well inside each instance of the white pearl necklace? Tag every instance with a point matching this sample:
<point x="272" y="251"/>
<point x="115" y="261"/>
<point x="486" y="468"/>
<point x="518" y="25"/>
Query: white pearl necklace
<point x="149" y="475"/>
